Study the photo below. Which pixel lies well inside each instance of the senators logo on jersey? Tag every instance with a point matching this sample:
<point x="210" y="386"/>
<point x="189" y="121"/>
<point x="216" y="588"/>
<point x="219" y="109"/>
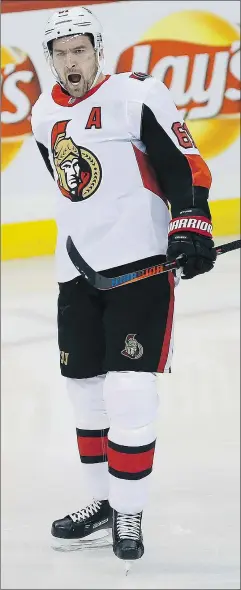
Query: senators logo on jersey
<point x="78" y="169"/>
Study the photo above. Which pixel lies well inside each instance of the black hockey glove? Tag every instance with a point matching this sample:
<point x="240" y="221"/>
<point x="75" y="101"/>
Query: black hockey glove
<point x="191" y="234"/>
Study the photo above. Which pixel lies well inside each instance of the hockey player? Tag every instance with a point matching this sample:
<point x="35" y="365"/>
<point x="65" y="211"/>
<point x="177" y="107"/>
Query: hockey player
<point x="125" y="163"/>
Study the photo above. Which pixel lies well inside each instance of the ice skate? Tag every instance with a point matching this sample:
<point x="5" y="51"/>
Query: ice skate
<point x="127" y="537"/>
<point x="86" y="529"/>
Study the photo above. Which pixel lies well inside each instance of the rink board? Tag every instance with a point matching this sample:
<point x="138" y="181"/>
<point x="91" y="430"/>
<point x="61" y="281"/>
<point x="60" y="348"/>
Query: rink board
<point x="38" y="238"/>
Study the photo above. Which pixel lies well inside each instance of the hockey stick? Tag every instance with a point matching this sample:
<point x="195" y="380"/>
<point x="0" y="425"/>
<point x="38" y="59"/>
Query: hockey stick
<point x="103" y="283"/>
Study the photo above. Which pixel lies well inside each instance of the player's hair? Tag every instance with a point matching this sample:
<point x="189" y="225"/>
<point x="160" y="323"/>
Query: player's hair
<point x="91" y="38"/>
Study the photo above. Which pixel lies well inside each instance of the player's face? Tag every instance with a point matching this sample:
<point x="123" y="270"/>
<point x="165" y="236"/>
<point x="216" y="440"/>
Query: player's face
<point x="75" y="61"/>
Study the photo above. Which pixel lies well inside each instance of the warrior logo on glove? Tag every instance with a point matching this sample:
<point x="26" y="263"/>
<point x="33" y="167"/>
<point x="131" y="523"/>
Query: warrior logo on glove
<point x="78" y="169"/>
<point x="133" y="349"/>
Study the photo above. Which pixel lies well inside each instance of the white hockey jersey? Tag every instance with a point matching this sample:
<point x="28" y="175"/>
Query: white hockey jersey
<point x="119" y="155"/>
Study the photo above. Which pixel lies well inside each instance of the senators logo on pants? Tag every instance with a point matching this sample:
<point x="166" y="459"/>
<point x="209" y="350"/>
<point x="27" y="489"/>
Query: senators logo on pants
<point x="78" y="169"/>
<point x="133" y="349"/>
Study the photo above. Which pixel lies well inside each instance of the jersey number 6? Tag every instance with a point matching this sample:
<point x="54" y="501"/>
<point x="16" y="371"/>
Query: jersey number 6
<point x="183" y="135"/>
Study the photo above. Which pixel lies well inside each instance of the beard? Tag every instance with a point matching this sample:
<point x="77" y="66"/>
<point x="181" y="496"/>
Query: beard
<point x="76" y="88"/>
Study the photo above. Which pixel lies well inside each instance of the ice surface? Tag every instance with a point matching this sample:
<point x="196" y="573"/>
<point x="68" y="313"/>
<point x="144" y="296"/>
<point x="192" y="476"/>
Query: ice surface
<point x="191" y="526"/>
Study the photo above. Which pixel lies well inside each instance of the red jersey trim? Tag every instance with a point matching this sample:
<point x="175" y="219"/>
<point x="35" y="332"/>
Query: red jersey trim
<point x="65" y="100"/>
<point x="201" y="175"/>
<point x="147" y="173"/>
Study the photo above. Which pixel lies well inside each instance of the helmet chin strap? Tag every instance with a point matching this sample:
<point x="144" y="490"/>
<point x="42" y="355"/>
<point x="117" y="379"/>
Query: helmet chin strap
<point x="99" y="70"/>
<point x="96" y="78"/>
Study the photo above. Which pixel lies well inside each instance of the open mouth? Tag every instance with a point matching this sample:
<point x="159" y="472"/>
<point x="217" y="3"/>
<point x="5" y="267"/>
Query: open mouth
<point x="74" y="78"/>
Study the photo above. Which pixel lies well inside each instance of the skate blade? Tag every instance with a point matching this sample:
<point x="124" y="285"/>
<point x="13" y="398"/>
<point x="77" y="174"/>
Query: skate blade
<point x="97" y="540"/>
<point x="128" y="565"/>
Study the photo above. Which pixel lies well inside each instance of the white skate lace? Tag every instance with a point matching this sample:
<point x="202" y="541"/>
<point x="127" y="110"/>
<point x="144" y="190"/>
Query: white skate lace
<point x="86" y="512"/>
<point x="128" y="526"/>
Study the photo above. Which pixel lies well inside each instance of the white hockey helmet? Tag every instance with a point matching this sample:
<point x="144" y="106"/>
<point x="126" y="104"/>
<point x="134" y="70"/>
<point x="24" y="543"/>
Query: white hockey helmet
<point x="76" y="20"/>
